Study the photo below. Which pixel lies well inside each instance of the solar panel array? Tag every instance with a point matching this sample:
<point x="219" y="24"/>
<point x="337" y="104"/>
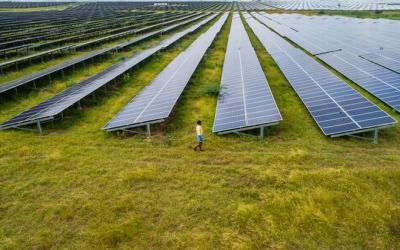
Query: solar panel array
<point x="4" y="87"/>
<point x="335" y="5"/>
<point x="381" y="82"/>
<point x="47" y="110"/>
<point x="156" y="101"/>
<point x="336" y="107"/>
<point x="154" y="25"/>
<point x="245" y="100"/>
<point x="50" y="34"/>
<point x="391" y="61"/>
<point x="246" y="6"/>
<point x="366" y="51"/>
<point x="360" y="36"/>
<point x="356" y="40"/>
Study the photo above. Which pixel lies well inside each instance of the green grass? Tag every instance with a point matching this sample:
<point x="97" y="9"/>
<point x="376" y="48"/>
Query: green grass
<point x="77" y="187"/>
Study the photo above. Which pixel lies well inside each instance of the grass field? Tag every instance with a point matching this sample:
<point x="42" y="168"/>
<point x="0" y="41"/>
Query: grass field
<point x="77" y="187"/>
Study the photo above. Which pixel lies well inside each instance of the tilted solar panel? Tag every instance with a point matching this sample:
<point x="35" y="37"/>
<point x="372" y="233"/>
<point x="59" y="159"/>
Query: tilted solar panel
<point x="245" y="101"/>
<point x="390" y="62"/>
<point x="380" y="82"/>
<point x="156" y="101"/>
<point x="5" y="87"/>
<point x="306" y="40"/>
<point x="378" y="75"/>
<point x="47" y="110"/>
<point x="336" y="107"/>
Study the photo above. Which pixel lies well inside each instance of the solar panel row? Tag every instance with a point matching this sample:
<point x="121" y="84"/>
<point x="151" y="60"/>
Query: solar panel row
<point x="384" y="60"/>
<point x="306" y="41"/>
<point x="381" y="82"/>
<point x="245" y="101"/>
<point x="4" y="87"/>
<point x="358" y="36"/>
<point x="155" y="103"/>
<point x="51" y="34"/>
<point x="47" y="110"/>
<point x="334" y="5"/>
<point x="34" y="56"/>
<point x="336" y="107"/>
<point x="378" y="78"/>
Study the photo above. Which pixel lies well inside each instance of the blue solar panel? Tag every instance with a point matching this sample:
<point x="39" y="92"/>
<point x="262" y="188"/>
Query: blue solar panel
<point x="358" y="36"/>
<point x="156" y="101"/>
<point x="381" y="82"/>
<point x="245" y="100"/>
<point x="335" y="106"/>
<point x="375" y="72"/>
<point x="391" y="62"/>
<point x="305" y="40"/>
<point x="48" y="109"/>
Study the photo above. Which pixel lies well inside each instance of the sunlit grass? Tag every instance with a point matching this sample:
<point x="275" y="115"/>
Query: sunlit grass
<point x="78" y="187"/>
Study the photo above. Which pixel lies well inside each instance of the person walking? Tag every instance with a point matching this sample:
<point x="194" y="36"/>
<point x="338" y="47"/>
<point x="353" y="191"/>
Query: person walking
<point x="199" y="136"/>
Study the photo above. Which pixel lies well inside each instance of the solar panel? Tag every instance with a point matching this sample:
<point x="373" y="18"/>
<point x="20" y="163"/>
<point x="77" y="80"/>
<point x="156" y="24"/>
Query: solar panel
<point x="245" y="101"/>
<point x="90" y="42"/>
<point x="33" y="56"/>
<point x="47" y="110"/>
<point x="380" y="82"/>
<point x="310" y="42"/>
<point x="315" y="33"/>
<point x="155" y="103"/>
<point x="336" y="107"/>
<point x="4" y="87"/>
<point x="389" y="62"/>
<point x="334" y="5"/>
<point x="377" y="75"/>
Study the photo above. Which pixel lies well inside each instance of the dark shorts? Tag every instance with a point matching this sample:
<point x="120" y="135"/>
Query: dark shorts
<point x="200" y="138"/>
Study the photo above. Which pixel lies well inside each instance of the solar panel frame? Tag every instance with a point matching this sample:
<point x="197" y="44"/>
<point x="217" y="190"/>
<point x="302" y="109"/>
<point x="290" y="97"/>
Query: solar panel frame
<point x="389" y="62"/>
<point x="5" y="87"/>
<point x="323" y="93"/>
<point x="61" y="49"/>
<point x="245" y="101"/>
<point x="380" y="82"/>
<point x="48" y="109"/>
<point x="156" y="101"/>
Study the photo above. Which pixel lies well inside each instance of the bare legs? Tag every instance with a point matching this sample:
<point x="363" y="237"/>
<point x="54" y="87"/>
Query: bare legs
<point x="199" y="146"/>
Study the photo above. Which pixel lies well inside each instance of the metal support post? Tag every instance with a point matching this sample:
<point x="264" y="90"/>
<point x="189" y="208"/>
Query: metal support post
<point x="376" y="136"/>
<point x="148" y="129"/>
<point x="39" y="127"/>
